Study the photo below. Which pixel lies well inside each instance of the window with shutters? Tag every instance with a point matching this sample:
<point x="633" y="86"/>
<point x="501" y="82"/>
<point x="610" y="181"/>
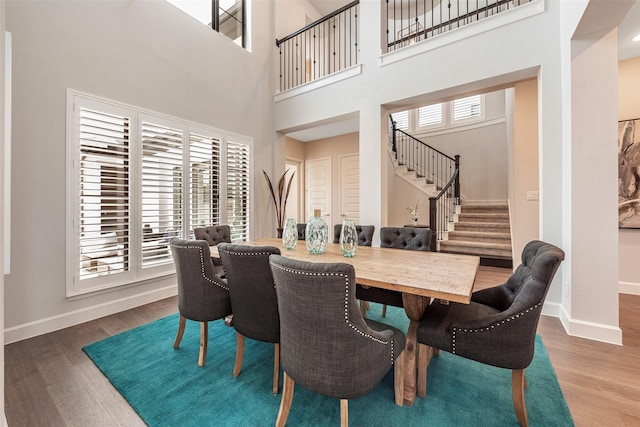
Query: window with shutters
<point x="136" y="180"/>
<point x="402" y="120"/>
<point x="238" y="189"/>
<point x="468" y="108"/>
<point x="430" y="116"/>
<point x="441" y="116"/>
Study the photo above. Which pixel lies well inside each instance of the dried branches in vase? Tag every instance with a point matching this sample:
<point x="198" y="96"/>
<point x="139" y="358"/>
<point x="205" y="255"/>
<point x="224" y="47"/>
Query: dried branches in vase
<point x="414" y="212"/>
<point x="280" y="202"/>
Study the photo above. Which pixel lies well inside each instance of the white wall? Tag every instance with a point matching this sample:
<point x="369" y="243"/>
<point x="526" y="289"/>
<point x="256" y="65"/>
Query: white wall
<point x="2" y="183"/>
<point x="536" y="45"/>
<point x="147" y="54"/>
<point x="629" y="108"/>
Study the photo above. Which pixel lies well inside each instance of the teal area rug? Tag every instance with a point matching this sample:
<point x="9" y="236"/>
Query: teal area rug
<point x="167" y="388"/>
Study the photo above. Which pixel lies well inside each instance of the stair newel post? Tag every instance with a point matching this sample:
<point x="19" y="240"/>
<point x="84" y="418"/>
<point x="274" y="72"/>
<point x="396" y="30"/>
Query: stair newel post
<point x="393" y="138"/>
<point x="433" y="223"/>
<point x="456" y="185"/>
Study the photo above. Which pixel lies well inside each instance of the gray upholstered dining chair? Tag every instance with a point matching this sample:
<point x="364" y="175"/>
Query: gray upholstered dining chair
<point x="253" y="299"/>
<point x="499" y="326"/>
<point x="365" y="234"/>
<point x="410" y="238"/>
<point x="214" y="234"/>
<point x="326" y="344"/>
<point x="202" y="295"/>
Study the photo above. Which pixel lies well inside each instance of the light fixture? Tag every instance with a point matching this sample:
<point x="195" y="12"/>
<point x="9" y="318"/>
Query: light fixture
<point x="636" y="38"/>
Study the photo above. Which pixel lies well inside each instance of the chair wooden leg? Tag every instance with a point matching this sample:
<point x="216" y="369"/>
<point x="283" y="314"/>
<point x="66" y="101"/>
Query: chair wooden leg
<point x="363" y="308"/>
<point x="276" y="367"/>
<point x="398" y="379"/>
<point x="344" y="413"/>
<point x="204" y="338"/>
<point x="237" y="366"/>
<point x="181" y="326"/>
<point x="285" y="403"/>
<point x="424" y="353"/>
<point x="517" y="392"/>
<point x="384" y="310"/>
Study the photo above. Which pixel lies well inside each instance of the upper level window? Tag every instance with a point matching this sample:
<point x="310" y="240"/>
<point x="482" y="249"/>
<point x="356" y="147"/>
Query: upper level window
<point x="431" y="115"/>
<point x="467" y="108"/>
<point x="459" y="112"/>
<point x="225" y="16"/>
<point x="402" y="119"/>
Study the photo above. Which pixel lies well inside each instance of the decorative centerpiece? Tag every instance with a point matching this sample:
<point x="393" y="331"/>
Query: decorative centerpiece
<point x="348" y="238"/>
<point x="414" y="212"/>
<point x="316" y="233"/>
<point x="280" y="202"/>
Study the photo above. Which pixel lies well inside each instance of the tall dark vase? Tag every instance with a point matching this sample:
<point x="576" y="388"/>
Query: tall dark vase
<point x="279" y="233"/>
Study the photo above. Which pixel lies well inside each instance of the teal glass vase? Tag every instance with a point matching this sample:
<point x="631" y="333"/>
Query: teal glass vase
<point x="316" y="234"/>
<point x="290" y="234"/>
<point x="348" y="238"/>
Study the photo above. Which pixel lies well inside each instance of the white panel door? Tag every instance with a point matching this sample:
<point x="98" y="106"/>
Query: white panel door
<point x="318" y="188"/>
<point x="350" y="187"/>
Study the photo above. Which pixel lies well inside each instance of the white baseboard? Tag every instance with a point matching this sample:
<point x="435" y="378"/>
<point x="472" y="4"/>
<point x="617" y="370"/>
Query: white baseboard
<point x="54" y="323"/>
<point x="629" y="288"/>
<point x="593" y="331"/>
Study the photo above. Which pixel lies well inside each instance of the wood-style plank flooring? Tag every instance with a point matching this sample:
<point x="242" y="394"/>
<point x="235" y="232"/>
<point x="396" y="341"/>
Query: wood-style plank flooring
<point x="50" y="382"/>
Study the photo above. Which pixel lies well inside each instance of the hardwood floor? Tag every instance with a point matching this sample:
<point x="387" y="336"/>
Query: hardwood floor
<point x="50" y="382"/>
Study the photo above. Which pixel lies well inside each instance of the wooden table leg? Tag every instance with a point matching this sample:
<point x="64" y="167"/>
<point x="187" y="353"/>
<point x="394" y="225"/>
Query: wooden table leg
<point x="414" y="306"/>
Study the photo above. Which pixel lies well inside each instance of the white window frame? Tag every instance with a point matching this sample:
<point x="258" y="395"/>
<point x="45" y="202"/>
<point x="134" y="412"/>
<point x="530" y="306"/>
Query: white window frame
<point x="466" y="120"/>
<point x="136" y="273"/>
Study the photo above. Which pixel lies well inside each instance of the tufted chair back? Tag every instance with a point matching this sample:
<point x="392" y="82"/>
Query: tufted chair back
<point x="415" y="239"/>
<point x="327" y="346"/>
<point x="213" y="234"/>
<point x="365" y="234"/>
<point x="499" y="326"/>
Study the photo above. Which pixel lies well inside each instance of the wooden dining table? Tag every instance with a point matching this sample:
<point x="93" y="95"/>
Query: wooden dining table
<point x="419" y="275"/>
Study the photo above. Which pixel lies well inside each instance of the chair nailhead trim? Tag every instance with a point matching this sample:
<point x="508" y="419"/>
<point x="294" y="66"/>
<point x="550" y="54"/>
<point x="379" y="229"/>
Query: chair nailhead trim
<point x="346" y="304"/>
<point x="202" y="267"/>
<point x="490" y="327"/>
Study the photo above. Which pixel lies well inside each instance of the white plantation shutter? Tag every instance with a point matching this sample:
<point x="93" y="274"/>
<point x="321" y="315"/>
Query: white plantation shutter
<point x="162" y="187"/>
<point x="430" y="115"/>
<point x="103" y="160"/>
<point x="136" y="179"/>
<point x="401" y="119"/>
<point x="238" y="189"/>
<point x="465" y="108"/>
<point x="204" y="166"/>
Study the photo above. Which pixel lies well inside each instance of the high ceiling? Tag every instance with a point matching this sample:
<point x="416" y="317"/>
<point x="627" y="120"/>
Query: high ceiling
<point x="628" y="28"/>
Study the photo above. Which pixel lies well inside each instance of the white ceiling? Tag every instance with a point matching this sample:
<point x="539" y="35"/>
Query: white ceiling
<point x="628" y="28"/>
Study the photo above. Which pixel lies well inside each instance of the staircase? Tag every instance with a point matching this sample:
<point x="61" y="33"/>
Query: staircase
<point x="482" y="230"/>
<point x="472" y="228"/>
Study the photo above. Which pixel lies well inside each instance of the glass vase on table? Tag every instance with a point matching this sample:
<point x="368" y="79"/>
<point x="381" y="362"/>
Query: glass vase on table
<point x="316" y="233"/>
<point x="348" y="238"/>
<point x="290" y="234"/>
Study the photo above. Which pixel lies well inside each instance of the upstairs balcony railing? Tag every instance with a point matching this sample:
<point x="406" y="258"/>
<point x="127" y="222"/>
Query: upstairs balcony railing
<point x="323" y="47"/>
<point x="411" y="21"/>
<point x="437" y="169"/>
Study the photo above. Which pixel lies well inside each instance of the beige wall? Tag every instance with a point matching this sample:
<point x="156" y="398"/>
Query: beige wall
<point x="333" y="147"/>
<point x="524" y="213"/>
<point x="629" y="108"/>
